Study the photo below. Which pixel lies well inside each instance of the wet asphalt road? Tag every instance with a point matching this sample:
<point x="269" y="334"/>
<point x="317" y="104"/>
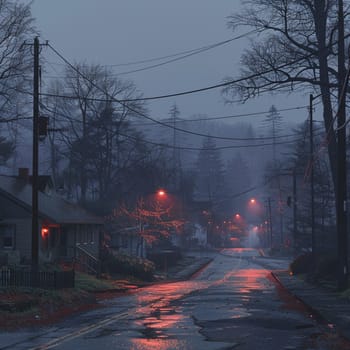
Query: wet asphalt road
<point x="233" y="303"/>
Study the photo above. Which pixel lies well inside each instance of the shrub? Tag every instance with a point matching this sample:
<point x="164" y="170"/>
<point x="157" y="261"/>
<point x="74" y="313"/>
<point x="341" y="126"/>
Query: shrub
<point x="170" y="258"/>
<point x="302" y="264"/>
<point x="118" y="263"/>
<point x="320" y="266"/>
<point x="326" y="267"/>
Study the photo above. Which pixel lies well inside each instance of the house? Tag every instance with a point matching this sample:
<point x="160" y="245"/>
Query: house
<point x="66" y="230"/>
<point x="127" y="240"/>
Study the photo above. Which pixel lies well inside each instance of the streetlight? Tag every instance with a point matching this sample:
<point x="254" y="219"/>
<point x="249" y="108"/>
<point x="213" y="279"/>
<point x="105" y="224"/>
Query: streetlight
<point x="161" y="193"/>
<point x="254" y="208"/>
<point x="252" y="201"/>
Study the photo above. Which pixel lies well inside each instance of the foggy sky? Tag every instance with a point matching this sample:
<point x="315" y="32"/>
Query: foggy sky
<point x="111" y="32"/>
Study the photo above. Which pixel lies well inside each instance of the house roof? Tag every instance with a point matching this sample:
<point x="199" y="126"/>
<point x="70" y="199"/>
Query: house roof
<point x="51" y="207"/>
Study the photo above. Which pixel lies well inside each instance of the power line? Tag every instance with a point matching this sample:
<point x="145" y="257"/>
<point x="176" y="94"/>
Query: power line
<point x="328" y="135"/>
<point x="215" y="136"/>
<point x="199" y="50"/>
<point x="205" y="48"/>
<point x="164" y="145"/>
<point x="183" y="54"/>
<point x="182" y="120"/>
<point x="202" y="119"/>
<point x="252" y="114"/>
<point x="161" y="123"/>
<point x="188" y="92"/>
<point x="152" y="119"/>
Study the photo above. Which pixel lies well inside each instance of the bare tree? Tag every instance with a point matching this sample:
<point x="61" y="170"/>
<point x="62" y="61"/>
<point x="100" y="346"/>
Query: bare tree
<point x="96" y="122"/>
<point x="16" y="26"/>
<point x="324" y="214"/>
<point x="296" y="49"/>
<point x="156" y="218"/>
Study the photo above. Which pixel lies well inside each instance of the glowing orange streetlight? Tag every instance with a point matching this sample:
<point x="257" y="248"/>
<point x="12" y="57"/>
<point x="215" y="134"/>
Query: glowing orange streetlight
<point x="161" y="193"/>
<point x="252" y="201"/>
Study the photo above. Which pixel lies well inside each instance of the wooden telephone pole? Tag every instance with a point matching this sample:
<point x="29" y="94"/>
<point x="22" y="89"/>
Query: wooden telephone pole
<point x="35" y="209"/>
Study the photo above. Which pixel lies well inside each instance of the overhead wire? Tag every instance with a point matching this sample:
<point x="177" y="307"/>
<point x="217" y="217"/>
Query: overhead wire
<point x="164" y="124"/>
<point x="182" y="147"/>
<point x="206" y="48"/>
<point x="95" y="99"/>
<point x="326" y="140"/>
<point x="243" y="115"/>
<point x="226" y="117"/>
<point x="183" y="55"/>
<point x="143" y="114"/>
<point x="251" y="189"/>
<point x="182" y="93"/>
<point x="199" y="49"/>
<point x="211" y="118"/>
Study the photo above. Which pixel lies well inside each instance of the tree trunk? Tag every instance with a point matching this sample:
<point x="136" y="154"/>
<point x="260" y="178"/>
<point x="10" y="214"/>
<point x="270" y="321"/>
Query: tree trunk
<point x="320" y="18"/>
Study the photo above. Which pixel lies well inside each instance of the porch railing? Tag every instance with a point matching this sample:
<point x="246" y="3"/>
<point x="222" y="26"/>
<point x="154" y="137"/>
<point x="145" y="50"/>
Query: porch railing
<point x="87" y="262"/>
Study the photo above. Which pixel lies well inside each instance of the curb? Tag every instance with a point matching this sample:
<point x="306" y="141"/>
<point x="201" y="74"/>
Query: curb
<point x="315" y="314"/>
<point x="191" y="270"/>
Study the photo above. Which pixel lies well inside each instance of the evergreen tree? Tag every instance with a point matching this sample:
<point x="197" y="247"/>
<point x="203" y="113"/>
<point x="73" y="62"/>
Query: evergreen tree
<point x="210" y="184"/>
<point x="273" y="122"/>
<point x="324" y="215"/>
<point x="237" y="178"/>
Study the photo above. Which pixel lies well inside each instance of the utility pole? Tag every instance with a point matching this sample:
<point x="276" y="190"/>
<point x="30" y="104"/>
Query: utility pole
<point x="341" y="186"/>
<point x="270" y="220"/>
<point x="295" y="227"/>
<point x="35" y="209"/>
<point x="312" y="184"/>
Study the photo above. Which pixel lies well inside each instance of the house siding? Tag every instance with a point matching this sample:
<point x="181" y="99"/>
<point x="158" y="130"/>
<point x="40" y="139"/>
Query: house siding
<point x="9" y="209"/>
<point x="66" y="224"/>
<point x="23" y="237"/>
<point x="129" y="243"/>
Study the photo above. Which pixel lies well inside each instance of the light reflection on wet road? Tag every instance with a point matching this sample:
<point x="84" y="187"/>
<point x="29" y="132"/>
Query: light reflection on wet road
<point x="230" y="304"/>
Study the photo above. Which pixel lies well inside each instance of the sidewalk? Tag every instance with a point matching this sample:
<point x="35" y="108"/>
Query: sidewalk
<point x="190" y="263"/>
<point x="186" y="271"/>
<point x="326" y="303"/>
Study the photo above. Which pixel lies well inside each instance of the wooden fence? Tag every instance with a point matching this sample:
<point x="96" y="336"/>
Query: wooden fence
<point x="37" y="279"/>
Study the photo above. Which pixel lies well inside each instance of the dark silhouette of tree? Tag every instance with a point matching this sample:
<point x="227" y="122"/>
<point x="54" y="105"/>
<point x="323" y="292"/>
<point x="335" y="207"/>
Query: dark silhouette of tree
<point x="237" y="178"/>
<point x="296" y="49"/>
<point x="16" y="26"/>
<point x="299" y="160"/>
<point x="16" y="61"/>
<point x="98" y="139"/>
<point x="176" y="156"/>
<point x="6" y="150"/>
<point x="273" y="124"/>
<point x="210" y="172"/>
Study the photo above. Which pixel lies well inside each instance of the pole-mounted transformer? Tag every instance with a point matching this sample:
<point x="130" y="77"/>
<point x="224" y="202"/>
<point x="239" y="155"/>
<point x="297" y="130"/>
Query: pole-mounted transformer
<point x="43" y="127"/>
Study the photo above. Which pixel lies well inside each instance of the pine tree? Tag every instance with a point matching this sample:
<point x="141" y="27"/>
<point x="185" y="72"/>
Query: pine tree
<point x="210" y="172"/>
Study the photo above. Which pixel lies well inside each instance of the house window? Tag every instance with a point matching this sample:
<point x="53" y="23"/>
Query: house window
<point x="7" y="236"/>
